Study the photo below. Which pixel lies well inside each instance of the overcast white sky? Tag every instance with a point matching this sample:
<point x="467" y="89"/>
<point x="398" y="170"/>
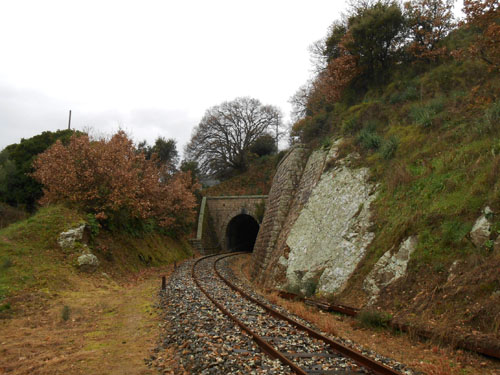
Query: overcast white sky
<point x="149" y="67"/>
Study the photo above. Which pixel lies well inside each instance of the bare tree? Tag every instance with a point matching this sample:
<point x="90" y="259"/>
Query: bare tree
<point x="221" y="141"/>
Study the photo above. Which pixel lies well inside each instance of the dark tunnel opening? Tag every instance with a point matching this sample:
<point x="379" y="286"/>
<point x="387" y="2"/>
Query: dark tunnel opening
<point x="241" y="233"/>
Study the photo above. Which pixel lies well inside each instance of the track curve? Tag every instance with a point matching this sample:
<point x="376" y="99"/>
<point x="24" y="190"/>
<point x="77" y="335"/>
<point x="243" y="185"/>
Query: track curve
<point x="304" y="350"/>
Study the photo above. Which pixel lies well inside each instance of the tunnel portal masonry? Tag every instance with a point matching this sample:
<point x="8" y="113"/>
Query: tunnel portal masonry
<point x="232" y="217"/>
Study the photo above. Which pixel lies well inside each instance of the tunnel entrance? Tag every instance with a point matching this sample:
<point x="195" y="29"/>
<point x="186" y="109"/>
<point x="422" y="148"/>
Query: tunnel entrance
<point x="241" y="233"/>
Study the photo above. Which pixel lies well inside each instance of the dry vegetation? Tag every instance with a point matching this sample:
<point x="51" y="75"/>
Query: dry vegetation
<point x="428" y="357"/>
<point x="110" y="328"/>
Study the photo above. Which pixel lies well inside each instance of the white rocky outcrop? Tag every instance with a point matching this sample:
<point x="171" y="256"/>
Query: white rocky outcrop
<point x="69" y="242"/>
<point x="389" y="268"/>
<point x="68" y="239"/>
<point x="481" y="230"/>
<point x="331" y="234"/>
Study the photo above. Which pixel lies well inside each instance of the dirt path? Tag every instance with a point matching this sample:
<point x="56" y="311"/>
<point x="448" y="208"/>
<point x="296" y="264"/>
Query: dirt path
<point x="110" y="329"/>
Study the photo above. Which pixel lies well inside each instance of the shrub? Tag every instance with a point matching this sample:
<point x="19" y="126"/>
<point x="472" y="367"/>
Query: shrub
<point x="454" y="231"/>
<point x="293" y="288"/>
<point x="93" y="224"/>
<point x="425" y="114"/>
<point x="410" y="93"/>
<point x="369" y="140"/>
<point x="113" y="181"/>
<point x="17" y="187"/>
<point x="374" y="319"/>
<point x="351" y="125"/>
<point x="264" y="145"/>
<point x="389" y="148"/>
<point x="65" y="313"/>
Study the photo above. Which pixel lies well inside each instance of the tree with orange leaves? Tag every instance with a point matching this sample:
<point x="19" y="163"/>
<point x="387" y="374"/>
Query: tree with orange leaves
<point x="429" y="21"/>
<point x="483" y="16"/>
<point x="110" y="179"/>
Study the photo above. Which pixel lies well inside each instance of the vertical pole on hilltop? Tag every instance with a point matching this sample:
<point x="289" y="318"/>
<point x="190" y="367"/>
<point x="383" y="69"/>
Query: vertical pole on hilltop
<point x="69" y="121"/>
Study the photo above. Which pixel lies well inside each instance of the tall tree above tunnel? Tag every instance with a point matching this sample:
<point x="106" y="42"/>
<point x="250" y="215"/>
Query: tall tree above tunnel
<point x="165" y="151"/>
<point x="222" y="140"/>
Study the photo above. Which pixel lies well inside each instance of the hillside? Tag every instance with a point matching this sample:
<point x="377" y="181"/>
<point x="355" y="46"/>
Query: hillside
<point x="55" y="317"/>
<point x="432" y="145"/>
<point x="421" y="151"/>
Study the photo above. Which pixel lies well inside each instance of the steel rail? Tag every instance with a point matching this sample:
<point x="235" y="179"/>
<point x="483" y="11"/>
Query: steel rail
<point x="357" y="356"/>
<point x="266" y="347"/>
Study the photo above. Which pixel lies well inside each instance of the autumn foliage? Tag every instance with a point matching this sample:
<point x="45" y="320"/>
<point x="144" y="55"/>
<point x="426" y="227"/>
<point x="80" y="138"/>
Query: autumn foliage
<point x="429" y="21"/>
<point x="110" y="178"/>
<point x="484" y="16"/>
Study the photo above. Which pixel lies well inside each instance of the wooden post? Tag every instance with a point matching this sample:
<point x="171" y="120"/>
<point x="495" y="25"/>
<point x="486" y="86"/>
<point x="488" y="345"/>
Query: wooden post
<point x="163" y="283"/>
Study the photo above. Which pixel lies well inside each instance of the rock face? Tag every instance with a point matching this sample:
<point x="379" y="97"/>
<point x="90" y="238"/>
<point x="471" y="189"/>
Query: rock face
<point x="331" y="234"/>
<point x="481" y="230"/>
<point x="389" y="268"/>
<point x="69" y="242"/>
<point x="88" y="262"/>
<point x="67" y="239"/>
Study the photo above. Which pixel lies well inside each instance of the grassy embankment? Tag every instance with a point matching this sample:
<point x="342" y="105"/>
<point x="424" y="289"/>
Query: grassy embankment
<point x="432" y="142"/>
<point x="431" y="138"/>
<point x="56" y="319"/>
<point x="257" y="180"/>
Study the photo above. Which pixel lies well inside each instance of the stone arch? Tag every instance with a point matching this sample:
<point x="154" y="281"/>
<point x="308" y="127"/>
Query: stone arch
<point x="241" y="233"/>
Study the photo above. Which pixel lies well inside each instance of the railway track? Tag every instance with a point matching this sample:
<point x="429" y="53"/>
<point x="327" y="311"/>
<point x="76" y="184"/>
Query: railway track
<point x="301" y="348"/>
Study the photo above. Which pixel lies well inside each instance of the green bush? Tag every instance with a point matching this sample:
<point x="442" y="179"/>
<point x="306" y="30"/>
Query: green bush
<point x="454" y="231"/>
<point x="389" y="148"/>
<point x="409" y="94"/>
<point x="264" y="145"/>
<point x="94" y="225"/>
<point x="17" y="187"/>
<point x="350" y="125"/>
<point x="293" y="288"/>
<point x="374" y="319"/>
<point x="369" y="140"/>
<point x="315" y="127"/>
<point x="326" y="143"/>
<point x="310" y="287"/>
<point x="65" y="313"/>
<point x="425" y="114"/>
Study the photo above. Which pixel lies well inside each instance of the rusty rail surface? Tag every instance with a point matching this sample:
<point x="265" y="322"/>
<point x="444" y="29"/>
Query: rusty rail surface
<point x="355" y="355"/>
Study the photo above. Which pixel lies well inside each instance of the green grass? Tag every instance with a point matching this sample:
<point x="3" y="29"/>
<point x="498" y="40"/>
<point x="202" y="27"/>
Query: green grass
<point x="433" y="146"/>
<point x="30" y="252"/>
<point x="31" y="259"/>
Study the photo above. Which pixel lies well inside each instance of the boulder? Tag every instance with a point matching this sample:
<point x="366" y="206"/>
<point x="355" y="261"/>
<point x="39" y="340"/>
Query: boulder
<point x="88" y="262"/>
<point x="68" y="239"/>
<point x="481" y="230"/>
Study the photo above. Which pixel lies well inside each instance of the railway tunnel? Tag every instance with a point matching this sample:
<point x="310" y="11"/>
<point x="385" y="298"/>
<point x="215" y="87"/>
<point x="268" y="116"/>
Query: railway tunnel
<point x="229" y="223"/>
<point x="241" y="233"/>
